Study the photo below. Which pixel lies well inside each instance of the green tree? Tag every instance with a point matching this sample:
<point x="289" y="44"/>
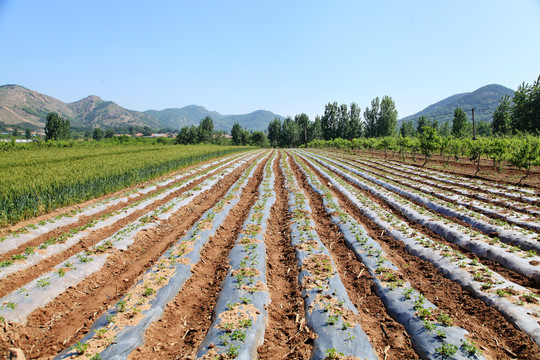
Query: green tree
<point x="274" y="132"/>
<point x="329" y="121"/>
<point x="302" y="124"/>
<point x="289" y="133"/>
<point x="97" y="134"/>
<point x="343" y="122"/>
<point x="238" y="134"/>
<point x="371" y="117"/>
<point x="407" y="129"/>
<point x="259" y="138"/>
<point x="387" y="120"/>
<point x="459" y="123"/>
<point x="354" y="129"/>
<point x="430" y="141"/>
<point x="526" y="154"/>
<point x="445" y="129"/>
<point x="56" y="127"/>
<point x="146" y="131"/>
<point x="501" y="124"/>
<point x="109" y="133"/>
<point x="314" y="129"/>
<point x="27" y="134"/>
<point x="421" y="124"/>
<point x="206" y="130"/>
<point x="475" y="150"/>
<point x="187" y="135"/>
<point x="525" y="114"/>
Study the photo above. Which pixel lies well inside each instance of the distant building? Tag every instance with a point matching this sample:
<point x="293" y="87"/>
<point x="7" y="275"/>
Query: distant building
<point x="159" y="135"/>
<point x="139" y="135"/>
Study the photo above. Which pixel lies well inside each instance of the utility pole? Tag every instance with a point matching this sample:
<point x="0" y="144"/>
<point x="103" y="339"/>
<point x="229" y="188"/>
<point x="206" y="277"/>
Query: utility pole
<point x="473" y="126"/>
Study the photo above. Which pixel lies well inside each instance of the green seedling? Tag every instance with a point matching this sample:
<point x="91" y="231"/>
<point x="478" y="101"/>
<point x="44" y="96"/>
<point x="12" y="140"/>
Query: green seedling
<point x="447" y="350"/>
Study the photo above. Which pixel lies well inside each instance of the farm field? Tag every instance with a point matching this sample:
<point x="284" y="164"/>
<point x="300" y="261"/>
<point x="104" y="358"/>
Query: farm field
<point x="38" y="180"/>
<point x="274" y="254"/>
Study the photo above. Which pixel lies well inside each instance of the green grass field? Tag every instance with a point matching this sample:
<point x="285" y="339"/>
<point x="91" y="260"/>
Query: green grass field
<point x="36" y="181"/>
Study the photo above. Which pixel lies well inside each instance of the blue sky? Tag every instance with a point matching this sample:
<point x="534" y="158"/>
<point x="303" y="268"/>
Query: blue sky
<point x="288" y="57"/>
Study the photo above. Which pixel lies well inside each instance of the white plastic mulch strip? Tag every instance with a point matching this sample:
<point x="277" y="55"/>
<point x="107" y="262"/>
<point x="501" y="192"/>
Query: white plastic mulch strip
<point x="482" y="245"/>
<point x="17" y="305"/>
<point x="329" y="311"/>
<point x="517" y="233"/>
<point x="474" y="196"/>
<point x="516" y="303"/>
<point x="511" y="191"/>
<point x="121" y="329"/>
<point x="240" y="314"/>
<point x="430" y="330"/>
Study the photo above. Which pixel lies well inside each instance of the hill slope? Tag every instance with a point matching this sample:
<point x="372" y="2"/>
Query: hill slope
<point x="484" y="100"/>
<point x="22" y="106"/>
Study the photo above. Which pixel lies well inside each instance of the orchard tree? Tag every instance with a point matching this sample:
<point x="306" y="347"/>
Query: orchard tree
<point x="459" y="123"/>
<point x="430" y="141"/>
<point x="56" y="127"/>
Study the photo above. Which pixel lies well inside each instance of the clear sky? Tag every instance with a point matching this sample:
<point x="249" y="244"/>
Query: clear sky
<point x="288" y="57"/>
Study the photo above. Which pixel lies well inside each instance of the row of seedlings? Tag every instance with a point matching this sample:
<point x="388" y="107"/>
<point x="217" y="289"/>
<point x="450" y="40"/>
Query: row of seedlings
<point x="480" y="196"/>
<point x="430" y="329"/>
<point x="517" y="234"/>
<point x="17" y="305"/>
<point x="121" y="329"/>
<point x="516" y="303"/>
<point x="507" y="210"/>
<point x="240" y="314"/>
<point x="511" y="191"/>
<point x="28" y="233"/>
<point x="329" y="311"/>
<point x="512" y="257"/>
<point x="55" y="245"/>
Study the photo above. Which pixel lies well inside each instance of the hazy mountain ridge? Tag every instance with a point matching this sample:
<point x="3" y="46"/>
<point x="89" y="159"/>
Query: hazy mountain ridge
<point x="484" y="100"/>
<point x="19" y="105"/>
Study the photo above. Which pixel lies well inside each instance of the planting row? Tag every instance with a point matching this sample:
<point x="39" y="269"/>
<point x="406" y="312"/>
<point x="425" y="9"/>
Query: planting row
<point x="518" y="304"/>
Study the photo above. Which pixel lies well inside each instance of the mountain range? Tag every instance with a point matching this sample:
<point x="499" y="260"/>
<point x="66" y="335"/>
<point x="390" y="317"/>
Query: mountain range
<point x="28" y="108"/>
<point x="484" y="101"/>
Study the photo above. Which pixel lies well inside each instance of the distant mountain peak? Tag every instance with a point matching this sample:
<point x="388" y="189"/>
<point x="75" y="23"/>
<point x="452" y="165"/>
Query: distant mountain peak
<point x="484" y="99"/>
<point x="20" y="105"/>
